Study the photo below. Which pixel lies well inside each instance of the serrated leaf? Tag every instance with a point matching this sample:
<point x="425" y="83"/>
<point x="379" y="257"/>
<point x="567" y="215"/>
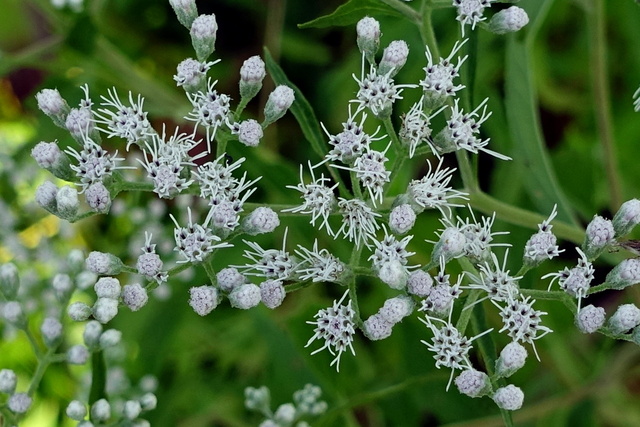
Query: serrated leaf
<point x="350" y="13"/>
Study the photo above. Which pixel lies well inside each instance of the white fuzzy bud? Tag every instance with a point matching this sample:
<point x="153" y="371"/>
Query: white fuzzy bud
<point x="51" y="330"/>
<point x="508" y="20"/>
<point x="62" y="286"/>
<point x="132" y="409"/>
<point x="512" y="358"/>
<point x="185" y="10"/>
<point x="76" y="410"/>
<point x="285" y="414"/>
<point x="397" y="308"/>
<point x="79" y="311"/>
<point x="627" y="217"/>
<point x="451" y="245"/>
<point x="53" y="105"/>
<point x="75" y="260"/>
<point x="77" y="355"/>
<point x="149" y="401"/>
<point x="377" y="328"/>
<point x="98" y="197"/>
<point x="104" y="264"/>
<point x="625" y="274"/>
<point x="249" y="132"/>
<point x="245" y="296"/>
<point x="101" y="410"/>
<point x="599" y="235"/>
<point x="110" y="338"/>
<point x="252" y="73"/>
<point x="368" y="37"/>
<point x="272" y="293"/>
<point x="79" y="123"/>
<point x="626" y="317"/>
<point x="419" y="283"/>
<point x="203" y="299"/>
<point x="107" y="287"/>
<point x="46" y="196"/>
<point x="192" y="74"/>
<point x="134" y="296"/>
<point x="402" y="218"/>
<point x="9" y="280"/>
<point x="67" y="202"/>
<point x="393" y="58"/>
<point x="261" y="220"/>
<point x="105" y="309"/>
<point x="148" y="383"/>
<point x="229" y="278"/>
<point x="393" y="274"/>
<point x="85" y="423"/>
<point x="278" y="103"/>
<point x="12" y="313"/>
<point x="8" y="381"/>
<point x="589" y="319"/>
<point x="49" y="156"/>
<point x="92" y="333"/>
<point x="473" y="383"/>
<point x="509" y="398"/>
<point x="19" y="403"/>
<point x="203" y="35"/>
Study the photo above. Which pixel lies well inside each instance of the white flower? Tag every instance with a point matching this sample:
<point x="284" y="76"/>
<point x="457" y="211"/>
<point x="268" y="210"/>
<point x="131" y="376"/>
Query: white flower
<point x="270" y="263"/>
<point x="336" y="326"/>
<point x="433" y="191"/>
<point x="589" y="319"/>
<point x="94" y="163"/>
<point x="542" y="245"/>
<point x="358" y="221"/>
<point x="521" y="321"/>
<point x="390" y="249"/>
<point x="575" y="281"/>
<point x="210" y="110"/>
<point x="129" y="122"/>
<point x="218" y="184"/>
<point x="195" y="241"/>
<point x="416" y="130"/>
<point x="369" y="169"/>
<point x="470" y="12"/>
<point x="319" y="265"/>
<point x="352" y="142"/>
<point x="438" y="81"/>
<point x="495" y="280"/>
<point x="377" y="92"/>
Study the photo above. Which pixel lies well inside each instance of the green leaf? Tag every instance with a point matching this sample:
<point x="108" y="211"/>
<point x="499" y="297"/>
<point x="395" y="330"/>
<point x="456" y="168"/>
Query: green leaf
<point x="350" y="13"/>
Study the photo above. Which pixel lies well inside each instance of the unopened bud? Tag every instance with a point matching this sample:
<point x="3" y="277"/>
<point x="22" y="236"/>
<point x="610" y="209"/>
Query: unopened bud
<point x="508" y="20"/>
<point x="9" y="280"/>
<point x="394" y="57"/>
<point x="368" y="37"/>
<point x="203" y="35"/>
<point x="185" y="10"/>
<point x="53" y="105"/>
<point x="67" y="203"/>
<point x="252" y="73"/>
<point x="278" y="103"/>
<point x="627" y="217"/>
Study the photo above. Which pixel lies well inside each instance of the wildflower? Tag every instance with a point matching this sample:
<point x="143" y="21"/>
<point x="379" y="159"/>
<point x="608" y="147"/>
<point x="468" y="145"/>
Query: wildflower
<point x="203" y="299"/>
<point x="415" y="129"/>
<point x="319" y="200"/>
<point x="80" y="122"/>
<point x="391" y="250"/>
<point x="512" y="358"/>
<point x="438" y="82"/>
<point x="451" y="348"/>
<point x="165" y="162"/>
<point x="626" y="317"/>
<point x="110" y="338"/>
<point x="252" y="73"/>
<point x="245" y="296"/>
<point x="627" y="217"/>
<point x="203" y="35"/>
<point x="134" y="296"/>
<point x="79" y="311"/>
<point x="575" y="281"/>
<point x="9" y="280"/>
<point x="319" y="265"/>
<point x="218" y="184"/>
<point x="473" y="383"/>
<point x="336" y="326"/>
<point x="352" y="142"/>
<point x="278" y="103"/>
<point x="369" y="169"/>
<point x="377" y="92"/>
<point x="495" y="280"/>
<point x="470" y="12"/>
<point x="508" y="20"/>
<point x="103" y="263"/>
<point x="419" y="283"/>
<point x="272" y="293"/>
<point x="67" y="203"/>
<point x="461" y="129"/>
<point x="368" y="39"/>
<point x="440" y="300"/>
<point x="128" y="122"/>
<point x="46" y="196"/>
<point x="397" y="308"/>
<point x="600" y="234"/>
<point x="76" y="410"/>
<point x="433" y="190"/>
<point x="49" y="156"/>
<point x="589" y="319"/>
<point x="393" y="58"/>
<point x="542" y="245"/>
<point x="105" y="309"/>
<point x="402" y="218"/>
<point x="51" y="329"/>
<point x="77" y="355"/>
<point x="53" y="105"/>
<point x="195" y="241"/>
<point x="101" y="410"/>
<point x="8" y="381"/>
<point x="249" y="132"/>
<point x="210" y="110"/>
<point x="509" y="398"/>
<point x="191" y="74"/>
<point x="98" y="197"/>
<point x="19" y="403"/>
<point x="149" y="263"/>
<point x="94" y="163"/>
<point x="451" y="244"/>
<point x="185" y="10"/>
<point x="479" y="237"/>
<point x="271" y="263"/>
<point x="261" y="220"/>
<point x="132" y="409"/>
<point x="229" y="278"/>
<point x="625" y="274"/>
<point x="12" y="313"/>
<point x="521" y="321"/>
<point x="358" y="221"/>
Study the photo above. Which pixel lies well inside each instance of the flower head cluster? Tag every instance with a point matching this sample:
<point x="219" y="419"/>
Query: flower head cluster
<point x="196" y="241"/>
<point x="433" y="190"/>
<point x="440" y="297"/>
<point x="351" y="143"/>
<point x="359" y="223"/>
<point x="542" y="245"/>
<point x="416" y="130"/>
<point x="319" y="265"/>
<point x="125" y="121"/>
<point x="149" y="263"/>
<point x="94" y="163"/>
<point x="479" y="237"/>
<point x="522" y="321"/>
<point x="470" y="12"/>
<point x="389" y="259"/>
<point x="336" y="326"/>
<point x="270" y="263"/>
<point x="210" y="110"/>
<point x="495" y="280"/>
<point x="369" y="169"/>
<point x="377" y="92"/>
<point x="575" y="281"/>
<point x="438" y="81"/>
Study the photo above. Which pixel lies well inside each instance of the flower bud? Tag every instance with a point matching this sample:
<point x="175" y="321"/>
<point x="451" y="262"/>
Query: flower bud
<point x="261" y="220"/>
<point x="402" y="218"/>
<point x="625" y="274"/>
<point x="203" y="35"/>
<point x="98" y="197"/>
<point x="107" y="287"/>
<point x="19" y="403"/>
<point x="509" y="398"/>
<point x="278" y="103"/>
<point x="393" y="274"/>
<point x="249" y="132"/>
<point x="53" y="105"/>
<point x="46" y="196"/>
<point x="451" y="245"/>
<point x="508" y="20"/>
<point x="9" y="280"/>
<point x="368" y="37"/>
<point x="203" y="299"/>
<point x="101" y="410"/>
<point x="67" y="203"/>
<point x="512" y="358"/>
<point x="272" y="293"/>
<point x="134" y="296"/>
<point x="192" y="75"/>
<point x="589" y="319"/>
<point x="473" y="383"/>
<point x="62" y="286"/>
<point x="76" y="410"/>
<point x="105" y="309"/>
<point x="51" y="330"/>
<point x="393" y="58"/>
<point x="185" y="10"/>
<point x="229" y="278"/>
<point x="252" y="73"/>
<point x="419" y="283"/>
<point x="110" y="338"/>
<point x="8" y="381"/>
<point x="377" y="327"/>
<point x="13" y="314"/>
<point x="245" y="296"/>
<point x="599" y="235"/>
<point x="75" y="260"/>
<point x="132" y="409"/>
<point x="49" y="156"/>
<point x="77" y="355"/>
<point x="626" y="317"/>
<point x="627" y="217"/>
<point x="80" y="124"/>
<point x="397" y="308"/>
<point x="285" y="414"/>
<point x="91" y="334"/>
<point x="79" y="311"/>
<point x="148" y="401"/>
<point x="103" y="263"/>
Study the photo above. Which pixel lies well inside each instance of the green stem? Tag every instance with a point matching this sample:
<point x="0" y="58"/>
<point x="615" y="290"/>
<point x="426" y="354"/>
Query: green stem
<point x="43" y="363"/>
<point x="598" y="55"/>
<point x="98" y="376"/>
<point x="211" y="273"/>
<point x="353" y="295"/>
<point x="561" y="296"/>
<point x="466" y="172"/>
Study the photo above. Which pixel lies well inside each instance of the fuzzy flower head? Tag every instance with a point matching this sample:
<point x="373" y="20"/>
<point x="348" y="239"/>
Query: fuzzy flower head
<point x="470" y="12"/>
<point x="495" y="280"/>
<point x="508" y="20"/>
<point x="319" y="265"/>
<point x="377" y="92"/>
<point x="318" y="199"/>
<point x="416" y="130"/>
<point x="352" y="142"/>
<point x="393" y="58"/>
<point x="210" y="110"/>
<point x="368" y="37"/>
<point x="480" y="237"/>
<point x="543" y="244"/>
<point x="94" y="163"/>
<point x="149" y="264"/>
<point x="370" y="171"/>
<point x="522" y="321"/>
<point x="270" y="263"/>
<point x="575" y="281"/>
<point x="359" y="223"/>
<point x="440" y="297"/>
<point x="600" y="234"/>
<point x="433" y="190"/>
<point x="192" y="74"/>
<point x="336" y="326"/>
<point x="438" y="81"/>
<point x="124" y="121"/>
<point x="195" y="241"/>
